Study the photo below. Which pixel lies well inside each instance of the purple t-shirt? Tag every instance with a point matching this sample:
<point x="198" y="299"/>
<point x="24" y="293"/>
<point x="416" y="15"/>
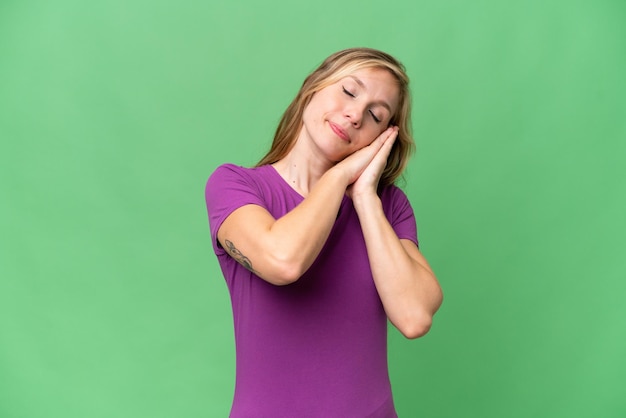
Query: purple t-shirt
<point x="317" y="347"/>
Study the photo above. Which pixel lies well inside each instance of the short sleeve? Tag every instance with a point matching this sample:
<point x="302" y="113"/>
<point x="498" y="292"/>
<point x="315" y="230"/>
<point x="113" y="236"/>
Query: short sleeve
<point x="400" y="214"/>
<point x="227" y="189"/>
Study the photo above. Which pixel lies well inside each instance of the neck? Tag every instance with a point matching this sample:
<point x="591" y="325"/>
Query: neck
<point x="302" y="167"/>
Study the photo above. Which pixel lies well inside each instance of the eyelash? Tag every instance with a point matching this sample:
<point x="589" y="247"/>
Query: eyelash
<point x="374" y="117"/>
<point x="353" y="96"/>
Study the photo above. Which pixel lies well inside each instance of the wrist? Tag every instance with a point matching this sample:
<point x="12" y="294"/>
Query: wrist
<point x="366" y="201"/>
<point x="337" y="174"/>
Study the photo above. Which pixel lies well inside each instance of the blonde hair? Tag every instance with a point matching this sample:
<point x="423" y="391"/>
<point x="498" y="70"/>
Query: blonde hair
<point x="334" y="68"/>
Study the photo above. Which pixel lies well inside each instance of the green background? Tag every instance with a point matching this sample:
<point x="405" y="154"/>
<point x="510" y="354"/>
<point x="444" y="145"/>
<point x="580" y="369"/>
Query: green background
<point x="113" y="114"/>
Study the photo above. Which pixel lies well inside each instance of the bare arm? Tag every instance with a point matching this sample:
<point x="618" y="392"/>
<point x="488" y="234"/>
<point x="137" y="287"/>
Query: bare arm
<point x="405" y="282"/>
<point x="281" y="250"/>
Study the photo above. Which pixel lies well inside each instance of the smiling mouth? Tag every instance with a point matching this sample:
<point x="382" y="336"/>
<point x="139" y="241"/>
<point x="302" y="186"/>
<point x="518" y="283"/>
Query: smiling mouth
<point x="340" y="132"/>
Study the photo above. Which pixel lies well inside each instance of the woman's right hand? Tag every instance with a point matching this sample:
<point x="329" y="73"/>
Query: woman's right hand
<point x="354" y="164"/>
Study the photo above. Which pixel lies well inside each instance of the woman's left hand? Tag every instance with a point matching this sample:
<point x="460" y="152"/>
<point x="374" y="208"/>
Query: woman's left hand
<point x="407" y="286"/>
<point x="367" y="183"/>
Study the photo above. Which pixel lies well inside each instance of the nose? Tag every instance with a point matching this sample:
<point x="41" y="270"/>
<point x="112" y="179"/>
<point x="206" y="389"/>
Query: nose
<point x="354" y="115"/>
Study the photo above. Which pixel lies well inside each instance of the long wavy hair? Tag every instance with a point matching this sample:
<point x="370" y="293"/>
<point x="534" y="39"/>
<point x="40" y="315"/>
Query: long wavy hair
<point x="333" y="69"/>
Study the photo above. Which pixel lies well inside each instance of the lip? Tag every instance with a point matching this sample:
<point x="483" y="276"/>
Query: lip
<point x="339" y="131"/>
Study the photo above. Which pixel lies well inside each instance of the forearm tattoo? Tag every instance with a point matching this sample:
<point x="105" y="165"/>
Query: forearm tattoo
<point x="238" y="256"/>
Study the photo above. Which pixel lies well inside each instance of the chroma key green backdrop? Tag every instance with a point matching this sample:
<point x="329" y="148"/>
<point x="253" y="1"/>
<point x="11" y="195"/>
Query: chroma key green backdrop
<point x="114" y="113"/>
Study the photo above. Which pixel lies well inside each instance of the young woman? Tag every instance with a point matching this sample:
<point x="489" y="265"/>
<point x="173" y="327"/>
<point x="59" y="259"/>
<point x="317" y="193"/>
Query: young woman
<point x="319" y="247"/>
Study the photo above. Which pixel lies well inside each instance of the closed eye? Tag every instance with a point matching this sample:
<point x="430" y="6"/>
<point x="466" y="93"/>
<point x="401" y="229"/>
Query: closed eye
<point x="374" y="116"/>
<point x="347" y="92"/>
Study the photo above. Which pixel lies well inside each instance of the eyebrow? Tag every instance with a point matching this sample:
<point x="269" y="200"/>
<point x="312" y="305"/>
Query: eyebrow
<point x="362" y="84"/>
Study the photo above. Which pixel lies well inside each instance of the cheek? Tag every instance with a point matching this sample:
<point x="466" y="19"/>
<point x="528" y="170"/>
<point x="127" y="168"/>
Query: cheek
<point x="308" y="116"/>
<point x="372" y="134"/>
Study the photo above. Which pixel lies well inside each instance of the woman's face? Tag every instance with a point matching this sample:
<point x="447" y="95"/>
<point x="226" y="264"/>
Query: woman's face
<point x="349" y="114"/>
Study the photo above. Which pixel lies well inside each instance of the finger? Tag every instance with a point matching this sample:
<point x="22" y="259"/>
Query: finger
<point x="380" y="139"/>
<point x="374" y="148"/>
<point x="379" y="161"/>
<point x="387" y="133"/>
<point x="386" y="147"/>
<point x="364" y="157"/>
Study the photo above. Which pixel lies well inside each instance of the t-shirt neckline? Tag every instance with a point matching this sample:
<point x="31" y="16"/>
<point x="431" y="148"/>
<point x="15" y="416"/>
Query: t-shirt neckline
<point x="293" y="191"/>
